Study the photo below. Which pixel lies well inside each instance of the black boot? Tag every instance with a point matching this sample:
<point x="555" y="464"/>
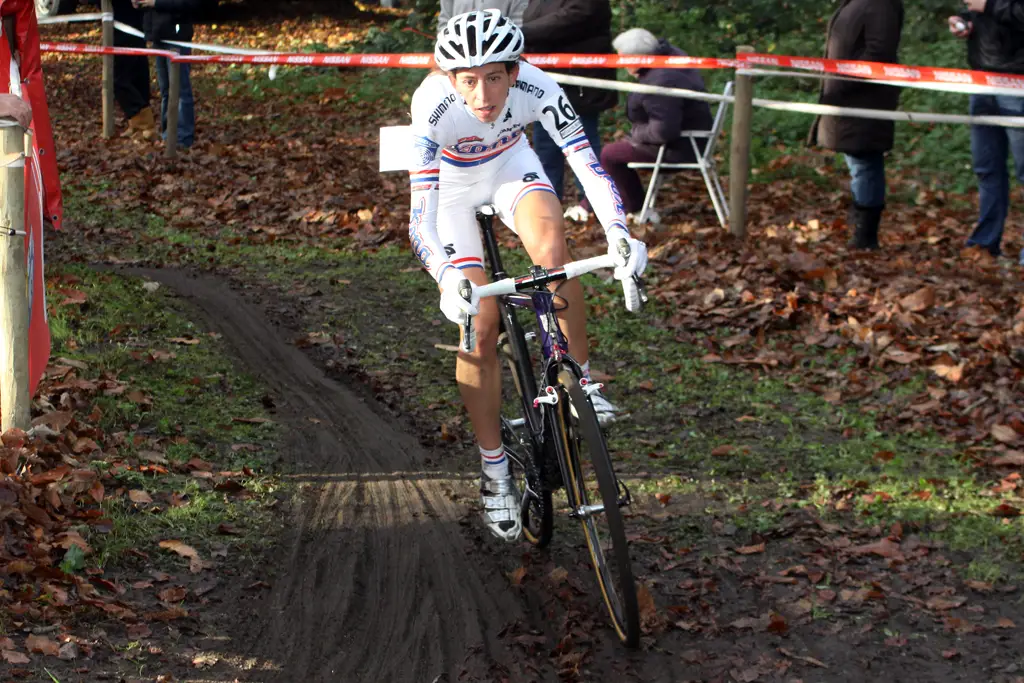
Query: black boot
<point x="864" y="220"/>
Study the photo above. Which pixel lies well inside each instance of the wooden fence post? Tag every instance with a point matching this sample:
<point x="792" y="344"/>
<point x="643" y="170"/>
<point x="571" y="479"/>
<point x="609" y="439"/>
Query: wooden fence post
<point x="108" y="70"/>
<point x="14" y="397"/>
<point x="173" y="97"/>
<point x="739" y="150"/>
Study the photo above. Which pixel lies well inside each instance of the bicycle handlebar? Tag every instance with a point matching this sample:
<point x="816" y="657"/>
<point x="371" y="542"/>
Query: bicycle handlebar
<point x="512" y="285"/>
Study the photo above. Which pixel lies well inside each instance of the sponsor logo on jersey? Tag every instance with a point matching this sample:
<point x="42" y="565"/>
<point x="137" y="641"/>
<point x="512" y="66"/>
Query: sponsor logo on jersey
<point x="436" y="115"/>
<point x="419" y="248"/>
<point x="596" y="169"/>
<point x="475" y="145"/>
<point x="508" y="115"/>
<point x="424" y="149"/>
<point x="530" y="89"/>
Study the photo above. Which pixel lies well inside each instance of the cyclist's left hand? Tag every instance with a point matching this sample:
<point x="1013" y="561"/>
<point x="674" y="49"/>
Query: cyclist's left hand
<point x="635" y="263"/>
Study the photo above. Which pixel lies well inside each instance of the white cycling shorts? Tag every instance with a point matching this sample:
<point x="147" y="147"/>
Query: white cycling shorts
<point x="519" y="174"/>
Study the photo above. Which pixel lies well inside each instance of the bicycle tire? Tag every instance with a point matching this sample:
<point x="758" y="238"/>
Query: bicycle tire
<point x="537" y="508"/>
<point x="621" y="599"/>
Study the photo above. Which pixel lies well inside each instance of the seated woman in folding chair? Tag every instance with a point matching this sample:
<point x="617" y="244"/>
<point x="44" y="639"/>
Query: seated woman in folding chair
<point x="656" y="119"/>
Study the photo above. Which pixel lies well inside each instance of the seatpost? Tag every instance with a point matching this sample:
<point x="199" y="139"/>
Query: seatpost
<point x="486" y="222"/>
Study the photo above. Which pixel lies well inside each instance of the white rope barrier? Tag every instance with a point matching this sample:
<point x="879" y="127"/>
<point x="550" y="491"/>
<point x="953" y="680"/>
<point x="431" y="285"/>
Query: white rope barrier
<point x="69" y="18"/>
<point x="797" y="107"/>
<point x="206" y="47"/>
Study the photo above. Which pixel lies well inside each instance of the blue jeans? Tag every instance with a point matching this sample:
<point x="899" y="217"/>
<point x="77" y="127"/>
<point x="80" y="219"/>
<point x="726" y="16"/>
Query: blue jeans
<point x="990" y="146"/>
<point x="867" y="178"/>
<point x="186" y="104"/>
<point x="552" y="160"/>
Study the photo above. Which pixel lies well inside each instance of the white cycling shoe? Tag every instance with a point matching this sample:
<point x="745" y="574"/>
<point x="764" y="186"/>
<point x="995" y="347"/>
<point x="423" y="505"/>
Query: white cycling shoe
<point x="502" y="514"/>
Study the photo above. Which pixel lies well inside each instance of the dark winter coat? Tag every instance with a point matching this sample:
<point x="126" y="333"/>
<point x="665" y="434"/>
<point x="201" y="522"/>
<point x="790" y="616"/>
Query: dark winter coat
<point x="170" y="20"/>
<point x="577" y="27"/>
<point x="996" y="42"/>
<point x="868" y="31"/>
<point x="659" y="119"/>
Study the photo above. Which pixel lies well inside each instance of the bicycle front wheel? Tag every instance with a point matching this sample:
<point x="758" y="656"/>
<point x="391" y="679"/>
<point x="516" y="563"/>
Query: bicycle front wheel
<point x="597" y="507"/>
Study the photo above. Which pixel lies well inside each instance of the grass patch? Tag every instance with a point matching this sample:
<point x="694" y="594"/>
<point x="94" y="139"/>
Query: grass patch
<point x="182" y="399"/>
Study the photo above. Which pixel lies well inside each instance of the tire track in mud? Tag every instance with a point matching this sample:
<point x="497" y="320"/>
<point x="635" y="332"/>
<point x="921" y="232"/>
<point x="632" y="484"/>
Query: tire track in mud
<point x="378" y="579"/>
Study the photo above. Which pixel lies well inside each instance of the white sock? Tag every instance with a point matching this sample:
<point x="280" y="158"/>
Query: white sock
<point x="494" y="463"/>
<point x="586" y="370"/>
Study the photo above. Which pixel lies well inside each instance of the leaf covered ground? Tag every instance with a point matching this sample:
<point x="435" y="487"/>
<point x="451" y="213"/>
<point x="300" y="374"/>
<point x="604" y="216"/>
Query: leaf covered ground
<point x="826" y="447"/>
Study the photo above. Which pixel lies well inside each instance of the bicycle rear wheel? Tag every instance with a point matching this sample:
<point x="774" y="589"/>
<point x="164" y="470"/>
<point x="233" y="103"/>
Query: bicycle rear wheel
<point x="586" y="456"/>
<point x="536" y="508"/>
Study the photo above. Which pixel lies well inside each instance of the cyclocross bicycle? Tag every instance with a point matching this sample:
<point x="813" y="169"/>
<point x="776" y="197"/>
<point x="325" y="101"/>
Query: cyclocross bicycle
<point x="557" y="442"/>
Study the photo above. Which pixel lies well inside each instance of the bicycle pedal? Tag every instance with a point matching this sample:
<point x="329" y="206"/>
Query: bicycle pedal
<point x="550" y="396"/>
<point x="590" y="387"/>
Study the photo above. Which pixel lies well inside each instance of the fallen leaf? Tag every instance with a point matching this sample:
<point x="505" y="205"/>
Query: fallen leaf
<point x="777" y="624"/>
<point x="1005" y="510"/>
<point x="228" y="529"/>
<point x="751" y="549"/>
<point x="187" y="341"/>
<point x="725" y="449"/>
<point x="42" y="645"/>
<point x="919" y="301"/>
<point x="940" y="603"/>
<point x="950" y="654"/>
<point x="646" y="385"/>
<point x="1003" y="433"/>
<point x="173" y="594"/>
<point x="1003" y="622"/>
<point x="1009" y="459"/>
<point x="12" y="657"/>
<point x="809" y="660"/>
<point x="558" y="575"/>
<point x="517" y="576"/>
<point x="883" y="548"/>
<point x="663" y="498"/>
<point x="252" y="420"/>
<point x="195" y="563"/>
<point x="139" y="496"/>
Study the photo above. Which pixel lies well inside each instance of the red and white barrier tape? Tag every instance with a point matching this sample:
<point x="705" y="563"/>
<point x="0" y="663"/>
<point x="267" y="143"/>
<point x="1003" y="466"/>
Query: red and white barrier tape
<point x="897" y="74"/>
<point x="78" y="48"/>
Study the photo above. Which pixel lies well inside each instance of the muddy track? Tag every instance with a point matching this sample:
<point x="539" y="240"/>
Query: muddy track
<point x="379" y="580"/>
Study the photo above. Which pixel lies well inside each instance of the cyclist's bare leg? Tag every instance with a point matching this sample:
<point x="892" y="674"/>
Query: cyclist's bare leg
<point x="478" y="373"/>
<point x="539" y="224"/>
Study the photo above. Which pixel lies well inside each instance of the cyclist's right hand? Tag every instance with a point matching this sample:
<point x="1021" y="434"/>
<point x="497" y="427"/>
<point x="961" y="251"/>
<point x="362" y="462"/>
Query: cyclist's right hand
<point x="454" y="305"/>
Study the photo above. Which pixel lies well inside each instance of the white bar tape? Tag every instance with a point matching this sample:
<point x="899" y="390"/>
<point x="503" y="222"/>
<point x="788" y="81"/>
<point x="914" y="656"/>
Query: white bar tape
<point x="223" y="49"/>
<point x="69" y="18"/>
<point x="956" y="88"/>
<point x="799" y="107"/>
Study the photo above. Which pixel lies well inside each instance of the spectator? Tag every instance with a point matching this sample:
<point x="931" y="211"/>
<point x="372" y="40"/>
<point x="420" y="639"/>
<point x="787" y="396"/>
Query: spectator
<point x="172" y="20"/>
<point x="994" y="30"/>
<point x="513" y="9"/>
<point x="863" y="30"/>
<point x="557" y="26"/>
<point x="656" y="119"/>
<point x="131" y="73"/>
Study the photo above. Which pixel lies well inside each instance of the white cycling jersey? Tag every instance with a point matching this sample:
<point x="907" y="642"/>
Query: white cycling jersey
<point x="454" y="148"/>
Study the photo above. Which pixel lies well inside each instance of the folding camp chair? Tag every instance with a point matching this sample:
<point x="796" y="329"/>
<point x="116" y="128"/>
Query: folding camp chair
<point x="705" y="164"/>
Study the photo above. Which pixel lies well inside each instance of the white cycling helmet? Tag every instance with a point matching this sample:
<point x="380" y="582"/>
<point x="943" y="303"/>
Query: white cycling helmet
<point x="477" y="38"/>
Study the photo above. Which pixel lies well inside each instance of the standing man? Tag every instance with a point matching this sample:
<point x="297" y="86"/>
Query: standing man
<point x="994" y="30"/>
<point x="577" y="27"/>
<point x="172" y="20"/>
<point x="867" y="31"/>
<point x="131" y="73"/>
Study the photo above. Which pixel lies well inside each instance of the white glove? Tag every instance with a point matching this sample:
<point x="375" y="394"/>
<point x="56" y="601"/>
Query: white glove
<point x="636" y="264"/>
<point x="455" y="306"/>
